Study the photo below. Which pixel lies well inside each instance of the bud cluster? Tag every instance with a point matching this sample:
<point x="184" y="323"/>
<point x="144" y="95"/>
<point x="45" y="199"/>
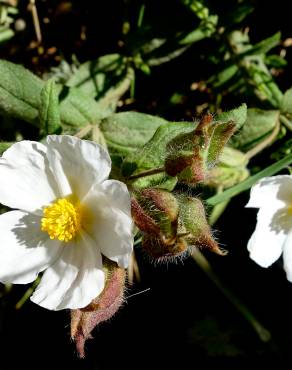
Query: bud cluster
<point x="171" y="224"/>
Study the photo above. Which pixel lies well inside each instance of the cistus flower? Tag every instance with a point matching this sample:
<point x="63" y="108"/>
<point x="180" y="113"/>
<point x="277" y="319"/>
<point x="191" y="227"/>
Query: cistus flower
<point x="273" y="233"/>
<point x="68" y="216"/>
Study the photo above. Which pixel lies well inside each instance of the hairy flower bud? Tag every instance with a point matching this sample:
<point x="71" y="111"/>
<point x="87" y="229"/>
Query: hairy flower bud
<point x="194" y="224"/>
<point x="192" y="155"/>
<point x="155" y="212"/>
<point x="102" y="308"/>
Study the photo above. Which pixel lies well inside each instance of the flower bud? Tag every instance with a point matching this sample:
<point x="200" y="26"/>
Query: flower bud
<point x="194" y="224"/>
<point x="160" y="250"/>
<point x="192" y="155"/>
<point x="102" y="308"/>
<point x="155" y="212"/>
<point x="230" y="170"/>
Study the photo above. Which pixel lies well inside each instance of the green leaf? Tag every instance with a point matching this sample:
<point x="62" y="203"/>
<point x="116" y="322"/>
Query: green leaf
<point x="264" y="46"/>
<point x="77" y="109"/>
<point x="4" y="146"/>
<point x="206" y="29"/>
<point x="248" y="183"/>
<point x="238" y="14"/>
<point x="237" y="115"/>
<point x="223" y="76"/>
<point x="259" y="124"/>
<point x="152" y="154"/>
<point x="286" y="104"/>
<point x="262" y="81"/>
<point x="105" y="79"/>
<point x="91" y="76"/>
<point x="5" y="34"/>
<point x="107" y="103"/>
<point x="275" y="61"/>
<point x="49" y="110"/>
<point x="20" y="97"/>
<point x="165" y="54"/>
<point x="127" y="131"/>
<point x="20" y="92"/>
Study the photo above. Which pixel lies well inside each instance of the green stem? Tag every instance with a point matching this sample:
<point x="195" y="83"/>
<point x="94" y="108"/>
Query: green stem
<point x="286" y="122"/>
<point x="27" y="294"/>
<point x="205" y="266"/>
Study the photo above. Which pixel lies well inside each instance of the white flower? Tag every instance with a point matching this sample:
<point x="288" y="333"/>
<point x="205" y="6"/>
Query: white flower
<point x="69" y="215"/>
<point x="273" y="233"/>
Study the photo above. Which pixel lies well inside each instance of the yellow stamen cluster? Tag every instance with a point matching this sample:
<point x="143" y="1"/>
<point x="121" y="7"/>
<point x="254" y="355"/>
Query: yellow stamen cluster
<point x="62" y="220"/>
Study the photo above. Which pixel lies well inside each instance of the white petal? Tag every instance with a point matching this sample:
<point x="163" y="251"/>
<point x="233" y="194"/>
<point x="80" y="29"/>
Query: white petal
<point x="74" y="280"/>
<point x="276" y="189"/>
<point x="24" y="249"/>
<point x="111" y="223"/>
<point x="287" y="256"/>
<point x="77" y="164"/>
<point x="266" y="243"/>
<point x="26" y="180"/>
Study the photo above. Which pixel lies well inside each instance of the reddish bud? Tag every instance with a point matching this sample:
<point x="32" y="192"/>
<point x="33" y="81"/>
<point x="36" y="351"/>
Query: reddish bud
<point x="160" y="250"/>
<point x="155" y="212"/>
<point x="192" y="154"/>
<point x="101" y="309"/>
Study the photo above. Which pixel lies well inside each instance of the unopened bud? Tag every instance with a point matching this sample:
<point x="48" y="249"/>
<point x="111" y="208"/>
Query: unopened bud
<point x="160" y="250"/>
<point x="194" y="224"/>
<point x="192" y="155"/>
<point x="102" y="308"/>
<point x="155" y="212"/>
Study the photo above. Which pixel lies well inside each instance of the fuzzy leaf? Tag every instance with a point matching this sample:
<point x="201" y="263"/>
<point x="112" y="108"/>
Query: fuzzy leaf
<point x="127" y="131"/>
<point x="105" y="79"/>
<point x="258" y="126"/>
<point x="19" y="92"/>
<point x="153" y="153"/>
<point x="49" y="110"/>
<point x="237" y="115"/>
<point x="77" y="109"/>
<point x="20" y="97"/>
<point x="286" y="104"/>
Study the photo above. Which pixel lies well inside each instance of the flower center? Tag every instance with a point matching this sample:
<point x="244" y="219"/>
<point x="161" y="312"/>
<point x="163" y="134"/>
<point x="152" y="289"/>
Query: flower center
<point x="62" y="220"/>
